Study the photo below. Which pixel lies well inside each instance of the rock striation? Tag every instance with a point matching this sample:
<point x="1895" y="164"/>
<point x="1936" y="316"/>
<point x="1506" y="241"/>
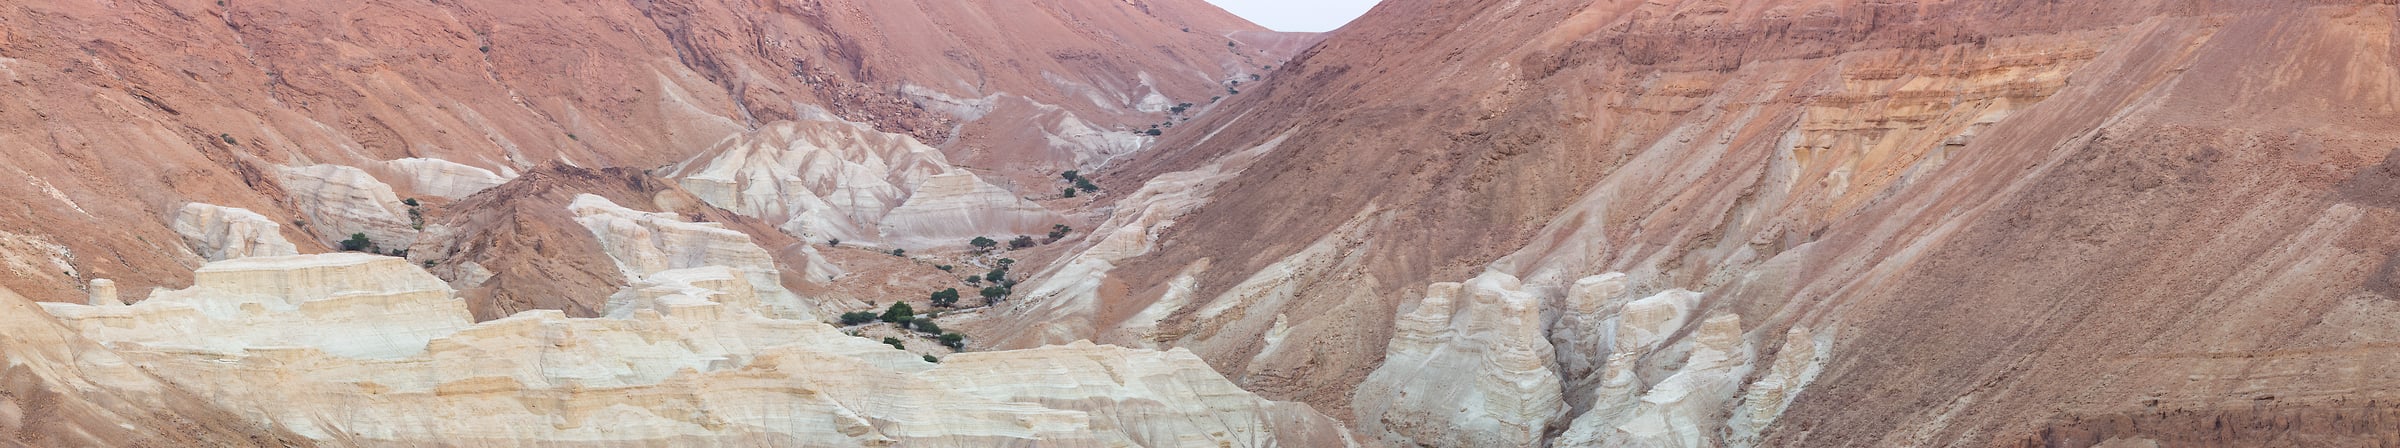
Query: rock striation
<point x="442" y="178"/>
<point x="220" y="233"/>
<point x="823" y="180"/>
<point x="1469" y="366"/>
<point x="341" y="201"/>
<point x="373" y="351"/>
<point x="662" y="254"/>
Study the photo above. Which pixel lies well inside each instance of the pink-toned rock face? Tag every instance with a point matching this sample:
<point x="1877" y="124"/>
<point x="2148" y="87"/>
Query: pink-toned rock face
<point x="126" y="111"/>
<point x="2020" y="221"/>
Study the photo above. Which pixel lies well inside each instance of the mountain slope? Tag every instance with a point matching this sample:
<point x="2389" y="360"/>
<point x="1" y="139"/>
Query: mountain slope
<point x="1914" y="223"/>
<point x="121" y="113"/>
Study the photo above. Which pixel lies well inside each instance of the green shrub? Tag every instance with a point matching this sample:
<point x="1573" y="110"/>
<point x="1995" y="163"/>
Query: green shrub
<point x="1021" y="242"/>
<point x="900" y="312"/>
<point x="982" y="243"/>
<point x="931" y="359"/>
<point x="945" y="298"/>
<point x="954" y="340"/>
<point x="858" y="317"/>
<point x="926" y="325"/>
<point x="895" y="343"/>
<point x="358" y="243"/>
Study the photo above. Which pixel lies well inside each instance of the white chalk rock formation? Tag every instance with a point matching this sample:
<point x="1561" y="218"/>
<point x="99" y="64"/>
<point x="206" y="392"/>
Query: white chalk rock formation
<point x="311" y="301"/>
<point x="103" y="292"/>
<point x="339" y="201"/>
<point x="658" y="250"/>
<point x="678" y="369"/>
<point x="224" y="233"/>
<point x="957" y="206"/>
<point x="1585" y="333"/>
<point x="823" y="179"/>
<point x="1803" y="356"/>
<point x="1469" y="366"/>
<point x="1640" y="401"/>
<point x="443" y="178"/>
<point x="1156" y="399"/>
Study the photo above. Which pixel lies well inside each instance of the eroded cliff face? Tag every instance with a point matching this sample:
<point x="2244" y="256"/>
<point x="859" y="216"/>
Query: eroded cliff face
<point x="1900" y="223"/>
<point x="125" y="112"/>
<point x="365" y="350"/>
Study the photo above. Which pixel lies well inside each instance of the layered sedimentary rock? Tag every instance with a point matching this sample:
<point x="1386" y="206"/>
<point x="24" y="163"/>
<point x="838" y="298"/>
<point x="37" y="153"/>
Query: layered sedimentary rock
<point x="2030" y="222"/>
<point x="1468" y="367"/>
<point x="442" y="178"/>
<point x="127" y="110"/>
<point x="835" y="180"/>
<point x="661" y="250"/>
<point x="222" y="233"/>
<point x="345" y="304"/>
<point x="65" y="390"/>
<point x="680" y="369"/>
<point x="341" y="201"/>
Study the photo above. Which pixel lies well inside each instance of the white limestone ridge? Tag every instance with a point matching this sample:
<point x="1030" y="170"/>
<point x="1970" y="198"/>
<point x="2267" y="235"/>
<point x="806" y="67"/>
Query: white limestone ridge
<point x="823" y="179"/>
<point x="442" y="178"/>
<point x="1474" y="364"/>
<point x="1469" y="366"/>
<point x="312" y="301"/>
<point x="662" y="255"/>
<point x="357" y="349"/>
<point x="339" y="201"/>
<point x="223" y="233"/>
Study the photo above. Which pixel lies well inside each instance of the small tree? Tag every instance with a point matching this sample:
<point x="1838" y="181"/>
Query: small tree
<point x="931" y="359"/>
<point x="1005" y="263"/>
<point x="836" y="242"/>
<point x="412" y="202"/>
<point x="983" y="244"/>
<point x="1022" y="241"/>
<point x="954" y="340"/>
<point x="1070" y="192"/>
<point x="996" y="275"/>
<point x="899" y="252"/>
<point x="1086" y="185"/>
<point x="1153" y="132"/>
<point x="994" y="292"/>
<point x="1059" y="231"/>
<point x="858" y="317"/>
<point x="945" y="298"/>
<point x="899" y="312"/>
<point x="926" y="325"/>
<point x="1071" y="175"/>
<point x="974" y="279"/>
<point x="895" y="343"/>
<point x="357" y="243"/>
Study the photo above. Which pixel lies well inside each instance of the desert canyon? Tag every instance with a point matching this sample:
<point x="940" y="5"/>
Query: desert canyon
<point x="1152" y="223"/>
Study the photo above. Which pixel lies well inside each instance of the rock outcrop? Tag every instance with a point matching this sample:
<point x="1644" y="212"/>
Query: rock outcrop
<point x="65" y="390"/>
<point x="223" y="233"/>
<point x="1469" y="366"/>
<point x="823" y="180"/>
<point x="341" y="201"/>
<point x="344" y="304"/>
<point x="442" y="178"/>
<point x="383" y="356"/>
<point x="662" y="251"/>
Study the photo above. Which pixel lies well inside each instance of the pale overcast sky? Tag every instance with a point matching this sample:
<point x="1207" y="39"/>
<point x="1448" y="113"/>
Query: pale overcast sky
<point x="1297" y="15"/>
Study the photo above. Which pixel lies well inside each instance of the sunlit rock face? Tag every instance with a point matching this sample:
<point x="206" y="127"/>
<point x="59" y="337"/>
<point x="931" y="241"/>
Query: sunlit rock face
<point x="1468" y="367"/>
<point x="358" y="349"/>
<point x="345" y="304"/>
<point x="222" y="233"/>
<point x="660" y="251"/>
<point x="838" y="180"/>
<point x="442" y="178"/>
<point x="341" y="201"/>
